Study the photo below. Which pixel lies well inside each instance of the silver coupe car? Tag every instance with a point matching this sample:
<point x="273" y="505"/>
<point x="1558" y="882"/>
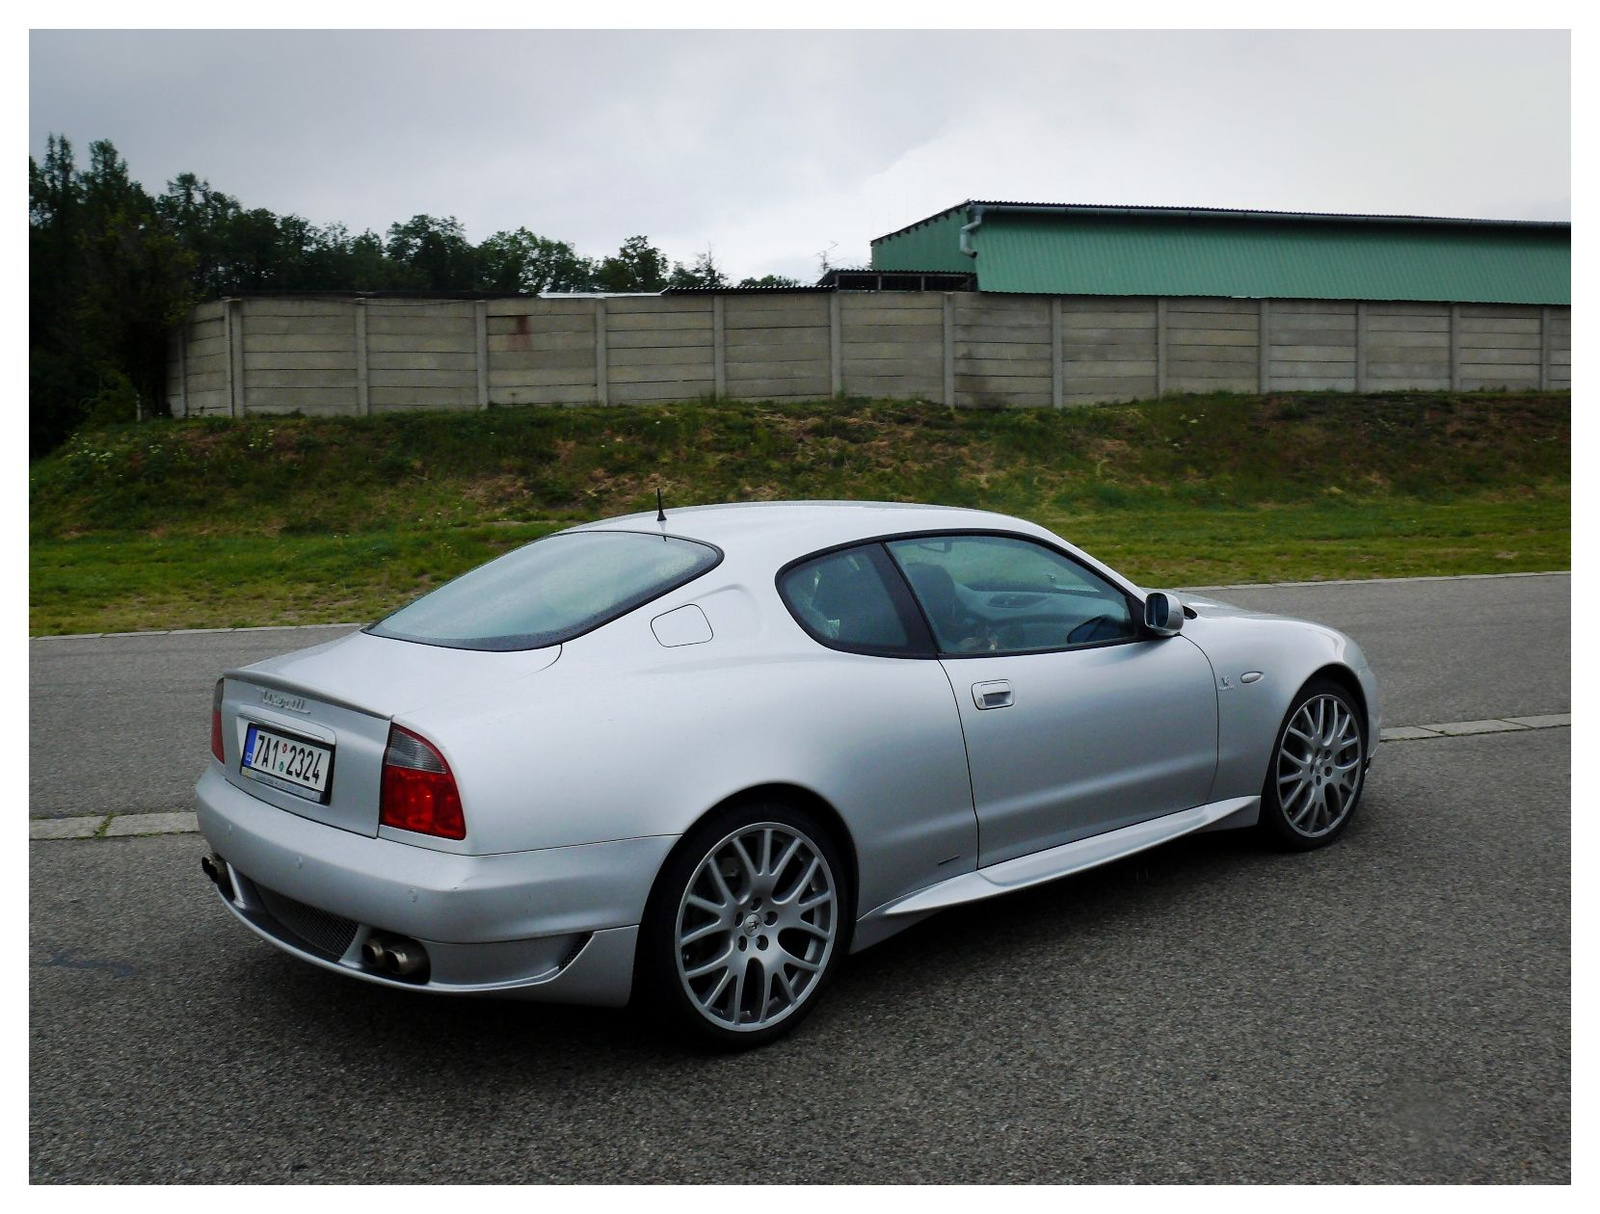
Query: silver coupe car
<point x="696" y="757"/>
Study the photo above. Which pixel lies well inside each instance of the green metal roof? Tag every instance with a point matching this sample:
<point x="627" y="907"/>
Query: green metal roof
<point x="1072" y="250"/>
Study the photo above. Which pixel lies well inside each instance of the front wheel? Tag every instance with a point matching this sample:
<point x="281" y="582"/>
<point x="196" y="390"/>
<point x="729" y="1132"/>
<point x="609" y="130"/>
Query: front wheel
<point x="746" y="925"/>
<point x="1318" y="764"/>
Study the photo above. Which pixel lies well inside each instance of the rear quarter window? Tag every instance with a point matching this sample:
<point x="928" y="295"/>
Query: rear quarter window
<point x="854" y="600"/>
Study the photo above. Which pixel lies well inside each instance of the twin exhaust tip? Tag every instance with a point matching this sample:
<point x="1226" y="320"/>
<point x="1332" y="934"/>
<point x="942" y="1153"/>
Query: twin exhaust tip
<point x="395" y="956"/>
<point x="216" y="871"/>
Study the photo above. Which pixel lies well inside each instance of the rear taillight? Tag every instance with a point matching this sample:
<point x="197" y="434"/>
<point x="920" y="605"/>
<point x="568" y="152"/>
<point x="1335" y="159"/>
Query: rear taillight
<point x="216" y="721"/>
<point x="418" y="792"/>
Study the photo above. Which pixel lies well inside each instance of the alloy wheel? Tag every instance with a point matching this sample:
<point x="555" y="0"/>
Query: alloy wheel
<point x="1319" y="766"/>
<point x="756" y="927"/>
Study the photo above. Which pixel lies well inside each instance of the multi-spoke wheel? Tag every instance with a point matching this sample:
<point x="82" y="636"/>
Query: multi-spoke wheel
<point x="1318" y="761"/>
<point x="746" y="923"/>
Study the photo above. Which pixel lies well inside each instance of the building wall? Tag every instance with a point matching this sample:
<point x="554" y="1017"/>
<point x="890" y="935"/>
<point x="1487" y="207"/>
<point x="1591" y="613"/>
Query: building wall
<point x="1129" y="252"/>
<point x="354" y="357"/>
<point x="933" y="244"/>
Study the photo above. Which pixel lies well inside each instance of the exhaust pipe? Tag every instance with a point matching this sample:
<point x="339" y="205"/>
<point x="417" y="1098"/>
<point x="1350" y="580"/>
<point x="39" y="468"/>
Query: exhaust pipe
<point x="216" y="871"/>
<point x="395" y="955"/>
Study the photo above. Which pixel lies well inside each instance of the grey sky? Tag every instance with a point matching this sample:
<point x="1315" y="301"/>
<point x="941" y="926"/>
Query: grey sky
<point x="771" y="147"/>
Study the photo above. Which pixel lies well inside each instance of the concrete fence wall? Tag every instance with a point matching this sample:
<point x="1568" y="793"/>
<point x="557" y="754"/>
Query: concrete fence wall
<point x="318" y="356"/>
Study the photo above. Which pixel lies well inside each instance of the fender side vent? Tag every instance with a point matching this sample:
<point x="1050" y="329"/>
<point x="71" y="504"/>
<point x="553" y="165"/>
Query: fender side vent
<point x="578" y="945"/>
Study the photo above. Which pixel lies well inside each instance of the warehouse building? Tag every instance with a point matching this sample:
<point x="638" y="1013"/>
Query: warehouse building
<point x="1123" y="302"/>
<point x="984" y="304"/>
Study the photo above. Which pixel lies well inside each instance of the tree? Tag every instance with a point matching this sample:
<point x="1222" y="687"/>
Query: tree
<point x="60" y="377"/>
<point x="112" y="270"/>
<point x="703" y="273"/>
<point x="202" y="220"/>
<point x="256" y="251"/>
<point x="638" y="266"/>
<point x="769" y="280"/>
<point x="107" y="280"/>
<point x="432" y="254"/>
<point x="343" y="262"/>
<point x="299" y="254"/>
<point x="522" y="261"/>
<point x="138" y="278"/>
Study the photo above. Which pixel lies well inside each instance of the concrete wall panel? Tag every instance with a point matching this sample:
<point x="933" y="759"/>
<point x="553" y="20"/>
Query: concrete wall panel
<point x="348" y="356"/>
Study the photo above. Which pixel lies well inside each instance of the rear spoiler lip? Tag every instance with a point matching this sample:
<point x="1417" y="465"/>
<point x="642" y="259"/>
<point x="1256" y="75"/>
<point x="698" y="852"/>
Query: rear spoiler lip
<point x="259" y="678"/>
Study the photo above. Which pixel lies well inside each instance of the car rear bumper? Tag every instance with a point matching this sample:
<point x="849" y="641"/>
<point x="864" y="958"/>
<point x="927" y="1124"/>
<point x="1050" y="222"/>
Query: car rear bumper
<point x="556" y="924"/>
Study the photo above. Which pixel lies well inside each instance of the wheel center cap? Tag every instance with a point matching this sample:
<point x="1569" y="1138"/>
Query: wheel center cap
<point x="751" y="924"/>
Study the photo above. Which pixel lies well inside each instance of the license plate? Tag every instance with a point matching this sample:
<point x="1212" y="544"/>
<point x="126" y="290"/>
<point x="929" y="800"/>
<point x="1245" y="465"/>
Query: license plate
<point x="294" y="764"/>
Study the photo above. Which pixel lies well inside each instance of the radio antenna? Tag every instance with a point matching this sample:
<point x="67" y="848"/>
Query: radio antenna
<point x="661" y="513"/>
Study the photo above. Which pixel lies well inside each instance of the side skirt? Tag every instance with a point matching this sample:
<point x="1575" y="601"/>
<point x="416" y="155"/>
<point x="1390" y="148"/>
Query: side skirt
<point x="1063" y="861"/>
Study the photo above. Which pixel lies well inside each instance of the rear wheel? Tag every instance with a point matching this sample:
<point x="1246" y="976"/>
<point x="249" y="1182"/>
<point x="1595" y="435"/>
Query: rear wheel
<point x="746" y="925"/>
<point x="1318" y="765"/>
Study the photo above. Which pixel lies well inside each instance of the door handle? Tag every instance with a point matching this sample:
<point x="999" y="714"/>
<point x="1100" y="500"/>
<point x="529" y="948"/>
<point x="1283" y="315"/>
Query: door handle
<point x="992" y="695"/>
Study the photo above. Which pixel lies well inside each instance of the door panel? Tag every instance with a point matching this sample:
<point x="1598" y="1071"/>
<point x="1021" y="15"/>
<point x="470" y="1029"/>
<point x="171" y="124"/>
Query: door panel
<point x="1076" y="721"/>
<point x="1083" y="741"/>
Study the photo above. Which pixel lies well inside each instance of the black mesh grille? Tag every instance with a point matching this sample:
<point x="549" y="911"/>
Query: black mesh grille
<point x="324" y="932"/>
<point x="578" y="943"/>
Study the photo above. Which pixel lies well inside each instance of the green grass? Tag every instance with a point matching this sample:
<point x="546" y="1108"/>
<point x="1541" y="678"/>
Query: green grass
<point x="294" y="520"/>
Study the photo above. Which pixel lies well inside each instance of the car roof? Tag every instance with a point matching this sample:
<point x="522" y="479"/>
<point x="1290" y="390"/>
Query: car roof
<point x="782" y="531"/>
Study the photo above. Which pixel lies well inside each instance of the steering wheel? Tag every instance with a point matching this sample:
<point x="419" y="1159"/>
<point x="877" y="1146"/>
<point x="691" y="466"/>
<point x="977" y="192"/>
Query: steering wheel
<point x="1096" y="628"/>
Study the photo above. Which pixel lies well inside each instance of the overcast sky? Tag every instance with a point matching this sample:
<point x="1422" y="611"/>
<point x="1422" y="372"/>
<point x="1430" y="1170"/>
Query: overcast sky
<point x="772" y="147"/>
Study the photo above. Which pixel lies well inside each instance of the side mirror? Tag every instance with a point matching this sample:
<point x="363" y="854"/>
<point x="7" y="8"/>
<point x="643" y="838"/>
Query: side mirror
<point x="1163" y="614"/>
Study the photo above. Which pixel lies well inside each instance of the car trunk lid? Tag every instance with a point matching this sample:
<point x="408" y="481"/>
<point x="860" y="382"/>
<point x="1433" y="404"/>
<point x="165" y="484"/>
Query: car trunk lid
<point x="327" y="710"/>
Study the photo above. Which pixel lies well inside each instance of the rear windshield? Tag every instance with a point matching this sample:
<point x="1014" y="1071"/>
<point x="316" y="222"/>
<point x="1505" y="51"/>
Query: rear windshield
<point x="551" y="591"/>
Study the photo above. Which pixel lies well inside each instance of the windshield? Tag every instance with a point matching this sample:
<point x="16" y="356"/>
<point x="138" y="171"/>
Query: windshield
<point x="550" y="591"/>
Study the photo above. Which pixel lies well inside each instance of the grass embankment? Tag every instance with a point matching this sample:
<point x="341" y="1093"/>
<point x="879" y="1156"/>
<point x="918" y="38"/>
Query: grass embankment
<point x="295" y="520"/>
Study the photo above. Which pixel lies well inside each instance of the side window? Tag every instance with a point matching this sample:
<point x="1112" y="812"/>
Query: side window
<point x="855" y="600"/>
<point x="995" y="594"/>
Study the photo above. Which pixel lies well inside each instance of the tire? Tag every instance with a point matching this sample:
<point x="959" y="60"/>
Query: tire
<point x="745" y="926"/>
<point x="1317" y="770"/>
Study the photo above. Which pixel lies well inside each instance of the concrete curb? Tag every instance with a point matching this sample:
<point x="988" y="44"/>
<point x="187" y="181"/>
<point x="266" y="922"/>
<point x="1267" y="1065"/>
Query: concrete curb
<point x="113" y="826"/>
<point x="1458" y="729"/>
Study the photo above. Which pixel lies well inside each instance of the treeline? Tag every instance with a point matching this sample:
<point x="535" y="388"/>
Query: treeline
<point x="111" y="269"/>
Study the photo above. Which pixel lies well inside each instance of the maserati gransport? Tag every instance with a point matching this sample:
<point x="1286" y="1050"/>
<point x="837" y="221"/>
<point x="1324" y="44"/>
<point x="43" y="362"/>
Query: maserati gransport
<point x="693" y="758"/>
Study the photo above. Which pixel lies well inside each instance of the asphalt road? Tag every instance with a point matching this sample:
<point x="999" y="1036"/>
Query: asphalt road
<point x="122" y="724"/>
<point x="1451" y="649"/>
<point x="1395" y="1008"/>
